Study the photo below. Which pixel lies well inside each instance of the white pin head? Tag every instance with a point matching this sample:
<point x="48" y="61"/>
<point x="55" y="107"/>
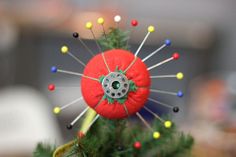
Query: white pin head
<point x="117" y="18"/>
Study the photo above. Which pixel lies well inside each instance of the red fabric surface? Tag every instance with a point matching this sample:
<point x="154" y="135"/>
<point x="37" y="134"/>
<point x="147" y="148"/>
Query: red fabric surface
<point x="92" y="90"/>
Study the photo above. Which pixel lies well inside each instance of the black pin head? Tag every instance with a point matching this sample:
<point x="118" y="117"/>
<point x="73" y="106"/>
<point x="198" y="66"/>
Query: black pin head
<point x="75" y="35"/>
<point x="69" y="127"/>
<point x="175" y="109"/>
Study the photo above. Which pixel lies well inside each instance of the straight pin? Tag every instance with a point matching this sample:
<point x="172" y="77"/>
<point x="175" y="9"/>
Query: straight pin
<point x="144" y="121"/>
<point x="134" y="23"/>
<point x="100" y="101"/>
<point x="63" y="87"/>
<point x="77" y="59"/>
<point x="117" y="20"/>
<point x="57" y="109"/>
<point x="71" y="103"/>
<point x="77" y="118"/>
<point x="174" y="108"/>
<point x="54" y="70"/>
<point x="163" y="92"/>
<point x="89" y="26"/>
<point x="105" y="62"/>
<point x="158" y="64"/>
<point x="101" y="22"/>
<point x="175" y="56"/>
<point x="140" y="46"/>
<point x="76" y="35"/>
<point x="52" y="87"/>
<point x="154" y="52"/>
<point x="126" y="109"/>
<point x="69" y="72"/>
<point x="154" y="114"/>
<point x="178" y="76"/>
<point x="167" y="43"/>
<point x="163" y="76"/>
<point x="65" y="50"/>
<point x="150" y="30"/>
<point x="179" y="93"/>
<point x="131" y="64"/>
<point x="161" y="103"/>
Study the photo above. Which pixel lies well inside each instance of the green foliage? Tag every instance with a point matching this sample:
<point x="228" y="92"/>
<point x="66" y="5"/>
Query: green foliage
<point x="115" y="39"/>
<point x="106" y="138"/>
<point x="115" y="138"/>
<point x="44" y="150"/>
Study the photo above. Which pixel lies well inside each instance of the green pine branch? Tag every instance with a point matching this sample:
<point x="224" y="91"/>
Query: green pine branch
<point x="115" y="138"/>
<point x="115" y="39"/>
<point x="106" y="137"/>
<point x="44" y="150"/>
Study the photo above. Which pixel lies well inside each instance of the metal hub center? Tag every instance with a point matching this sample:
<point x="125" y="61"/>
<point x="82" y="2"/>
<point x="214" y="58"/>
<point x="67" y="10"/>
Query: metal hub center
<point x="115" y="85"/>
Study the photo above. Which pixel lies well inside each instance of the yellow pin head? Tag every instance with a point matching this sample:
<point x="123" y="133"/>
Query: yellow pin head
<point x="100" y="21"/>
<point x="151" y="29"/>
<point x="64" y="49"/>
<point x="179" y="76"/>
<point x="56" y="110"/>
<point x="156" y="135"/>
<point x="168" y="124"/>
<point x="89" y="25"/>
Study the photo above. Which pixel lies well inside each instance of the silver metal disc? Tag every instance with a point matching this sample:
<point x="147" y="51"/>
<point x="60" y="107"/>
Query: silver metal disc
<point x="115" y="85"/>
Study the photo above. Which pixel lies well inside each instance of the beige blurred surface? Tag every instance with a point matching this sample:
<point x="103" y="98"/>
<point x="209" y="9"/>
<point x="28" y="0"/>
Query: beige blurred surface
<point x="25" y="119"/>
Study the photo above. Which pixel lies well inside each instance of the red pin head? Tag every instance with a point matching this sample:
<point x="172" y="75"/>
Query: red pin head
<point x="51" y="87"/>
<point x="134" y="23"/>
<point x="81" y="134"/>
<point x="137" y="145"/>
<point x="175" y="56"/>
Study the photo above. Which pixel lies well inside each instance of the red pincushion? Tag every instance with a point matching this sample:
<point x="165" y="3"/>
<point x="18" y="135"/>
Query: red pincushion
<point x="92" y="90"/>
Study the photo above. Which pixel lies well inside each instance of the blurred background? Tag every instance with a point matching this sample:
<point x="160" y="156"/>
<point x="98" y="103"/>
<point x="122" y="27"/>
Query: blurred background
<point x="32" y="32"/>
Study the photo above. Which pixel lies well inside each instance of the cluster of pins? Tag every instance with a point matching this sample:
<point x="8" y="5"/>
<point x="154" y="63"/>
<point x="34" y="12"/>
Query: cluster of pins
<point x="175" y="56"/>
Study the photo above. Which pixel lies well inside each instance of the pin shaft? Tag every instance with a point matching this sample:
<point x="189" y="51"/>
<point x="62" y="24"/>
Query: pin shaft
<point x="154" y="114"/>
<point x="163" y="92"/>
<point x="161" y="103"/>
<point x="158" y="64"/>
<point x="77" y="59"/>
<point x="86" y="47"/>
<point x="105" y="62"/>
<point x="140" y="46"/>
<point x="79" y="116"/>
<point x="75" y="73"/>
<point x="131" y="64"/>
<point x="71" y="103"/>
<point x="163" y="76"/>
<point x="154" y="52"/>
<point x="99" y="48"/>
<point x="144" y="121"/>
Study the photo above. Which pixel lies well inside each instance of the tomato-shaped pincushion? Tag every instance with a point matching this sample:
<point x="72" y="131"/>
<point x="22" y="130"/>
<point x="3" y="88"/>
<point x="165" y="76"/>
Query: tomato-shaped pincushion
<point x="123" y="86"/>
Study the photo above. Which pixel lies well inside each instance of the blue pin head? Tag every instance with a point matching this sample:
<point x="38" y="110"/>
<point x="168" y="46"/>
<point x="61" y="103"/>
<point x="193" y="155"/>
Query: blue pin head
<point x="53" y="69"/>
<point x="167" y="42"/>
<point x="180" y="94"/>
